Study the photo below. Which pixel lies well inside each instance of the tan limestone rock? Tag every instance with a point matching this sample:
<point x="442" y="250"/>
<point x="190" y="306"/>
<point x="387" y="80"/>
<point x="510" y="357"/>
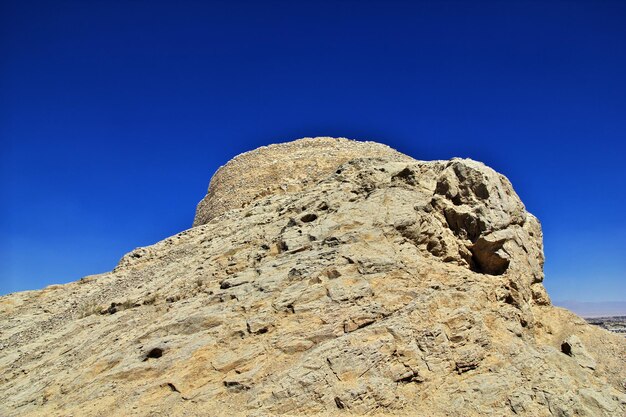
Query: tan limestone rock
<point x="380" y="286"/>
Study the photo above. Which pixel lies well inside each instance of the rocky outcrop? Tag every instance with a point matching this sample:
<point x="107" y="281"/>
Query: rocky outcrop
<point x="385" y="286"/>
<point x="280" y="169"/>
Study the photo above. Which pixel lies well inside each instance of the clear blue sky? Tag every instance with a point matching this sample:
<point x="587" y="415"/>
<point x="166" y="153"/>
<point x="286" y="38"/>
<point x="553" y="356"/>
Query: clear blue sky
<point x="115" y="114"/>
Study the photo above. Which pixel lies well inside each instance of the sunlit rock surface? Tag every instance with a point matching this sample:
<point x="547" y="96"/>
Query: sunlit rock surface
<point x="378" y="284"/>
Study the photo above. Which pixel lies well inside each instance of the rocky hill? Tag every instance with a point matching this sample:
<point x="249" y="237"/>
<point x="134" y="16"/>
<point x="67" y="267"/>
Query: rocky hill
<point x="282" y="168"/>
<point x="323" y="276"/>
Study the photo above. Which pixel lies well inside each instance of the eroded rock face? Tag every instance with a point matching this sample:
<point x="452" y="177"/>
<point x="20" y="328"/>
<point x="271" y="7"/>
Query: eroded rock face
<point x="280" y="169"/>
<point x="389" y="286"/>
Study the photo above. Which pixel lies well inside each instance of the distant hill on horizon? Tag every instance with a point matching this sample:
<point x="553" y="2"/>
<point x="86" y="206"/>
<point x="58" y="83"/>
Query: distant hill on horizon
<point x="594" y="308"/>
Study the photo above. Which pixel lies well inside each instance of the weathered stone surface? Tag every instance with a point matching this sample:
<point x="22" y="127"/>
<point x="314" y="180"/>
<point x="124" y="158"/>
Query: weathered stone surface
<point x="280" y="169"/>
<point x="386" y="286"/>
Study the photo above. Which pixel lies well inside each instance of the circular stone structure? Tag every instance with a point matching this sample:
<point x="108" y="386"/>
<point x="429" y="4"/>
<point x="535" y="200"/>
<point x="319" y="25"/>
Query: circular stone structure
<point x="282" y="168"/>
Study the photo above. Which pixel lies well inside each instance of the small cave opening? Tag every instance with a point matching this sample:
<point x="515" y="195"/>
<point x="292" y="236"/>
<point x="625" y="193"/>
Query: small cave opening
<point x="308" y="217"/>
<point x="566" y="348"/>
<point x="406" y="175"/>
<point x="487" y="257"/>
<point x="154" y="353"/>
<point x="509" y="299"/>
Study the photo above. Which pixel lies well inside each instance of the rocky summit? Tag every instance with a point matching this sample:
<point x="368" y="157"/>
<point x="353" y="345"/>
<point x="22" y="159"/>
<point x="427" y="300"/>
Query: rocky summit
<point x="322" y="277"/>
